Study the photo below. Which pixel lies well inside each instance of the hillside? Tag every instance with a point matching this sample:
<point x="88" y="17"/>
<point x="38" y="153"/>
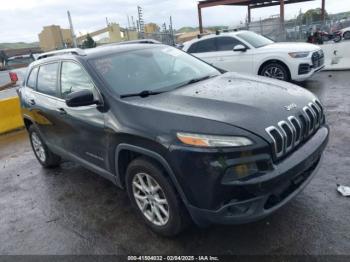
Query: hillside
<point x="18" y="45"/>
<point x="193" y="29"/>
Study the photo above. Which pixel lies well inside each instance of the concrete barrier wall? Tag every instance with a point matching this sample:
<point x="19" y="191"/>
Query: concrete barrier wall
<point x="10" y="115"/>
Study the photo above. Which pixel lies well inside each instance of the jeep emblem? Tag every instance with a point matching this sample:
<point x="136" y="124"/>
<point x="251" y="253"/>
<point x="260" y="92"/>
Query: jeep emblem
<point x="290" y="107"/>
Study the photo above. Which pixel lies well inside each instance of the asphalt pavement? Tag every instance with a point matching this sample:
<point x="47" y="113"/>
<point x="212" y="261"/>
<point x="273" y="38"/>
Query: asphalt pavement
<point x="70" y="210"/>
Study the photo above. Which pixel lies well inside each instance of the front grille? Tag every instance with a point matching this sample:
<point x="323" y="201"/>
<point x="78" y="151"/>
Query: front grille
<point x="317" y="59"/>
<point x="289" y="133"/>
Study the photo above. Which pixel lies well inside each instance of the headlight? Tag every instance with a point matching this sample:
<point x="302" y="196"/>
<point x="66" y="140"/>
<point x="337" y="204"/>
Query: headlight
<point x="299" y="54"/>
<point x="213" y="141"/>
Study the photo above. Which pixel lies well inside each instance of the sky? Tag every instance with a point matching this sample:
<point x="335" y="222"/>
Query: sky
<point x="22" y="20"/>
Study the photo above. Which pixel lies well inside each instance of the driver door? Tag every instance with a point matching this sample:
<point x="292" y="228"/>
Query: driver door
<point x="82" y="129"/>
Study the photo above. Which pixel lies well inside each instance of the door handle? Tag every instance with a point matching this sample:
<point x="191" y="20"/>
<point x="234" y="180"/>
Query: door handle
<point x="31" y="102"/>
<point x="61" y="111"/>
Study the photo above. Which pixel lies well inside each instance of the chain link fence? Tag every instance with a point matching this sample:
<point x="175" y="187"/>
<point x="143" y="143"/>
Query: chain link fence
<point x="294" y="30"/>
<point x="167" y="38"/>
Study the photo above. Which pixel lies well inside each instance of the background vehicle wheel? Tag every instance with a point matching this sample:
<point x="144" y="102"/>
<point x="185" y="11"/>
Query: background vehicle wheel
<point x="337" y="39"/>
<point x="45" y="157"/>
<point x="275" y="70"/>
<point x="347" y="35"/>
<point x="155" y="198"/>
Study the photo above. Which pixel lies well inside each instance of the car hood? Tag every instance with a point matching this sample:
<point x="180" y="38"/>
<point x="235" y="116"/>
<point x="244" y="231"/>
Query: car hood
<point x="345" y="29"/>
<point x="291" y="47"/>
<point x="248" y="102"/>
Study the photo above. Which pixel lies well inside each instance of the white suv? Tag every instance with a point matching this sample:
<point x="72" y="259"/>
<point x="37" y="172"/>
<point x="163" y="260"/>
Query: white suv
<point x="248" y="52"/>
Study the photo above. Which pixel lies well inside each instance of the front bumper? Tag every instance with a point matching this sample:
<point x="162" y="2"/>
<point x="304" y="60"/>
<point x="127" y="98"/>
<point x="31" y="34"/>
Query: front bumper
<point x="266" y="193"/>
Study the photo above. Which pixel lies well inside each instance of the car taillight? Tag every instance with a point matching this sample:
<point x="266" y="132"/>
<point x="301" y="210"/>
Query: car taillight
<point x="13" y="76"/>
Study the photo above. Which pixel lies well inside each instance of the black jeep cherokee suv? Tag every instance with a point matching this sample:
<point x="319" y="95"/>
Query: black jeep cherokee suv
<point x="187" y="141"/>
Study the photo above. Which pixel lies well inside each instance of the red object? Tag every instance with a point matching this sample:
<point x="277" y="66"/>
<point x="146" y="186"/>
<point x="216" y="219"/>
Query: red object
<point x="13" y="76"/>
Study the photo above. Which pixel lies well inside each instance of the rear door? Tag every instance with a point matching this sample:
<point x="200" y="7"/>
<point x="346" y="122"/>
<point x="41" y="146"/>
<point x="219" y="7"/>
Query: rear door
<point x="235" y="61"/>
<point x="41" y="98"/>
<point x="82" y="131"/>
<point x="205" y="49"/>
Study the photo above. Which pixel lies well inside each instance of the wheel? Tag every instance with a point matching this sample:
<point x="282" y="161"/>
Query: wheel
<point x="275" y="70"/>
<point x="45" y="157"/>
<point x="325" y="38"/>
<point x="337" y="38"/>
<point x="346" y="35"/>
<point x="154" y="197"/>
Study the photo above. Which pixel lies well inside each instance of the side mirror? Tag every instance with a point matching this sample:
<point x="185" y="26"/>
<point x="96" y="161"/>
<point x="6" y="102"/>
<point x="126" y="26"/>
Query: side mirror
<point x="81" y="98"/>
<point x="239" y="48"/>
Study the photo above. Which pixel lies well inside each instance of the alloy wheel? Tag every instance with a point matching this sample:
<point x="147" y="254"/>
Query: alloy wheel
<point x="150" y="199"/>
<point x="347" y="35"/>
<point x="38" y="147"/>
<point x="274" y="72"/>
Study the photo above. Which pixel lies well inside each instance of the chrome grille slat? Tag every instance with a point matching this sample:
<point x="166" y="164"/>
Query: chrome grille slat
<point x="308" y="121"/>
<point x="287" y="148"/>
<point x="287" y="134"/>
<point x="316" y="113"/>
<point x="318" y="104"/>
<point x="269" y="130"/>
<point x="297" y="137"/>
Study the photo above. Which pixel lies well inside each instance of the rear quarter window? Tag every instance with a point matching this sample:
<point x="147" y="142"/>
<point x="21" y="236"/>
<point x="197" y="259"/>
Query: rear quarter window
<point x="203" y="46"/>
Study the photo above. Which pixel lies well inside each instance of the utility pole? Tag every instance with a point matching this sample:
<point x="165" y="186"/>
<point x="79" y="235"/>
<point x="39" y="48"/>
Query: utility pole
<point x="133" y="23"/>
<point x="128" y="21"/>
<point x="172" y="31"/>
<point x="72" y="30"/>
<point x="141" y="21"/>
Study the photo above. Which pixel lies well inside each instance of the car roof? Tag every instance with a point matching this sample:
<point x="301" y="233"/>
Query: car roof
<point x="90" y="53"/>
<point x="214" y="36"/>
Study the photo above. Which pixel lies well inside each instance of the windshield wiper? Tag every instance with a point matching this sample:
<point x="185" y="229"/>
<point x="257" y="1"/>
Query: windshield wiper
<point x="144" y="93"/>
<point x="195" y="80"/>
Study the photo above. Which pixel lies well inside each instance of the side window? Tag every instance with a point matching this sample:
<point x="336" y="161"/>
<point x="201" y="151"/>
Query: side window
<point x="227" y="43"/>
<point x="31" y="82"/>
<point x="203" y="46"/>
<point x="73" y="79"/>
<point x="47" y="79"/>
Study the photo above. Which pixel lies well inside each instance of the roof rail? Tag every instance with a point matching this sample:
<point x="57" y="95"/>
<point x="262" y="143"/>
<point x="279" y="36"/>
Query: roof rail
<point x="73" y="51"/>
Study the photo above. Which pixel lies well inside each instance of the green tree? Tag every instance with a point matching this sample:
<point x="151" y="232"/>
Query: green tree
<point x="89" y="42"/>
<point x="312" y="15"/>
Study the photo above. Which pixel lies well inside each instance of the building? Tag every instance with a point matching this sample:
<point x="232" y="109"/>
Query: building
<point x="53" y="37"/>
<point x="151" y="28"/>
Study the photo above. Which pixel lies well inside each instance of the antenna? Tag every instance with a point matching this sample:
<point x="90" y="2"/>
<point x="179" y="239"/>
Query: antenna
<point x="72" y="29"/>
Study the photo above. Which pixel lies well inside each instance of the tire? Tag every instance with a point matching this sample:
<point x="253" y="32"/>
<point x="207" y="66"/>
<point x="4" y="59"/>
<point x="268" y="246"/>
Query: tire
<point x="42" y="153"/>
<point x="346" y="35"/>
<point x="147" y="170"/>
<point x="276" y="71"/>
<point x="337" y="39"/>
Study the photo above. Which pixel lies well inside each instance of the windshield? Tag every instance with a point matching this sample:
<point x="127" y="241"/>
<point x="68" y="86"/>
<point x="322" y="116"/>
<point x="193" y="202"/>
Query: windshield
<point x="160" y="68"/>
<point x="255" y="39"/>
